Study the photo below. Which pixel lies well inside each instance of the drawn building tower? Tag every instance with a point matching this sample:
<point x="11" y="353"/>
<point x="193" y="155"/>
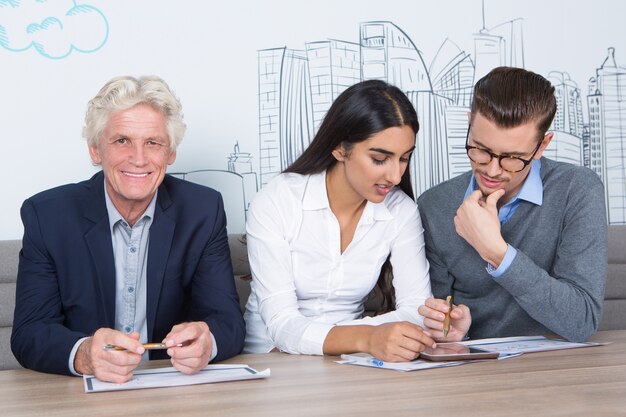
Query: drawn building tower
<point x="452" y="75"/>
<point x="569" y="113"/>
<point x="285" y="109"/>
<point x="270" y="63"/>
<point x="609" y="110"/>
<point x="388" y="54"/>
<point x="595" y="142"/>
<point x="498" y="46"/>
<point x="333" y="67"/>
<point x="296" y="108"/>
<point x="567" y="144"/>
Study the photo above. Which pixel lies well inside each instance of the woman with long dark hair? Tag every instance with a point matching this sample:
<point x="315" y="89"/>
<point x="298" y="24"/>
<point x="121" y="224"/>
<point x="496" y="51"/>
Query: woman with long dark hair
<point x="335" y="223"/>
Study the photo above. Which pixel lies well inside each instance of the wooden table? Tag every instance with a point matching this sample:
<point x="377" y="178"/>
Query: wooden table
<point x="586" y="382"/>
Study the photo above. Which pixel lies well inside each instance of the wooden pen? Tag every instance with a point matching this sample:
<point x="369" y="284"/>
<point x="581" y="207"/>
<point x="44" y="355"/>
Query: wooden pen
<point x="146" y="346"/>
<point x="446" y="320"/>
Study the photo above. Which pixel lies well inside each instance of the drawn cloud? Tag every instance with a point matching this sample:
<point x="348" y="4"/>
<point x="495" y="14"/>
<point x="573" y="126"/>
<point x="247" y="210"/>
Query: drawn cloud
<point x="54" y="28"/>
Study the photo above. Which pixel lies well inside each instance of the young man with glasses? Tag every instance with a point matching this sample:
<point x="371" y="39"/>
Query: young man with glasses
<point x="520" y="239"/>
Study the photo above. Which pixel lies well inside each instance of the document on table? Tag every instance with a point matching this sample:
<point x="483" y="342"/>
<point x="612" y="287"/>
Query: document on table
<point x="525" y="344"/>
<point x="364" y="359"/>
<point x="170" y="377"/>
<point x="507" y="347"/>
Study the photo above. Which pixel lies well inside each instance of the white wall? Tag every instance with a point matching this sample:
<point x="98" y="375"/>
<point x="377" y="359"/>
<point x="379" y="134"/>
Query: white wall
<point x="207" y="51"/>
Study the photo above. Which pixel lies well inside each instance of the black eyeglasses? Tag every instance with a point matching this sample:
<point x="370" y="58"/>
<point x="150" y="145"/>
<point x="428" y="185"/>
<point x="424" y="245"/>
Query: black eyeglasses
<point x="508" y="163"/>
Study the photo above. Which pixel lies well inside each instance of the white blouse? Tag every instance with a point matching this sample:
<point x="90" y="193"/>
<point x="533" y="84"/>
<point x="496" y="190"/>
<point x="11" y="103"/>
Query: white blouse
<point x="302" y="285"/>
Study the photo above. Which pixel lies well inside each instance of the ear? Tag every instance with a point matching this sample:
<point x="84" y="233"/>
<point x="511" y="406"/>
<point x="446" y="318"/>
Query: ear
<point x="339" y="153"/>
<point x="544" y="144"/>
<point x="469" y="117"/>
<point x="171" y="158"/>
<point x="94" y="153"/>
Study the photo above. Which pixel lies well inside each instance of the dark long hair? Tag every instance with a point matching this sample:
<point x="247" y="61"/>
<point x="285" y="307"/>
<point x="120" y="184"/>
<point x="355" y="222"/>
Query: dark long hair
<point x="361" y="111"/>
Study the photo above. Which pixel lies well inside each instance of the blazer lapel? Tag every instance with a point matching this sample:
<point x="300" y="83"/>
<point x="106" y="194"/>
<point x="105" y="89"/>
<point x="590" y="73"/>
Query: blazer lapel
<point x="98" y="240"/>
<point x="161" y="236"/>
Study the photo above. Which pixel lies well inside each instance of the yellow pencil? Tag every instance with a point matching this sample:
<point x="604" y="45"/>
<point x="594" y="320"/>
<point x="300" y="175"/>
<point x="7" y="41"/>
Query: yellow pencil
<point x="446" y="320"/>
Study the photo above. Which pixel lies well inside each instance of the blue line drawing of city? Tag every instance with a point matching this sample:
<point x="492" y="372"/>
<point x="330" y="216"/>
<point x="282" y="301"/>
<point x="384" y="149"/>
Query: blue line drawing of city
<point x="237" y="184"/>
<point x="296" y="88"/>
<point x="53" y="28"/>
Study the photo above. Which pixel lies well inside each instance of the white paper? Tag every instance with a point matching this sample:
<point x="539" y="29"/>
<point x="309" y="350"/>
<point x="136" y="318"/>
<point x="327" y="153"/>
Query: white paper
<point x="525" y="344"/>
<point x="508" y="347"/>
<point x="170" y="377"/>
<point x="364" y="359"/>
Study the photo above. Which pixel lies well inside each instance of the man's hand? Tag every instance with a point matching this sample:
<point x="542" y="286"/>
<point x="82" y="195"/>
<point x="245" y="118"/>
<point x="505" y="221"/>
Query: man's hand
<point x="477" y="222"/>
<point x="108" y="365"/>
<point x="197" y="346"/>
<point x="434" y="312"/>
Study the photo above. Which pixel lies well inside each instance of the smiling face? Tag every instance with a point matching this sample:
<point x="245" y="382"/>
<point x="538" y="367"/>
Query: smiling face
<point x="520" y="141"/>
<point x="134" y="151"/>
<point x="370" y="169"/>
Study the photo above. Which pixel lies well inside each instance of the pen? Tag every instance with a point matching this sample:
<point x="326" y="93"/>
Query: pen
<point x="146" y="346"/>
<point x="376" y="362"/>
<point x="446" y="320"/>
<point x="364" y="360"/>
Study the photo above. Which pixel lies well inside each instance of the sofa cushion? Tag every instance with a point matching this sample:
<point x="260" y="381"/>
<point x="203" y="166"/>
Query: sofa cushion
<point x="9" y="255"/>
<point x="616" y="276"/>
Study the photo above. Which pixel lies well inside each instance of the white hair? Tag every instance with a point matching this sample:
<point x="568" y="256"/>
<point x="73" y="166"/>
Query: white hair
<point x="125" y="92"/>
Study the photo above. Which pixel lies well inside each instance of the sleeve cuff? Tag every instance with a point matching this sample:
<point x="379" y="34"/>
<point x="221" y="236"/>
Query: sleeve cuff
<point x="70" y="364"/>
<point x="214" y="352"/>
<point x="509" y="257"/>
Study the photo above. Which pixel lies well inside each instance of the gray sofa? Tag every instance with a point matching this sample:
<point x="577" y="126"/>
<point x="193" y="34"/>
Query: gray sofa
<point x="614" y="304"/>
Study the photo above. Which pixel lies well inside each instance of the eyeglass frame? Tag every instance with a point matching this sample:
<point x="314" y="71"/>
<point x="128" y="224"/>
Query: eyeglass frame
<point x="495" y="155"/>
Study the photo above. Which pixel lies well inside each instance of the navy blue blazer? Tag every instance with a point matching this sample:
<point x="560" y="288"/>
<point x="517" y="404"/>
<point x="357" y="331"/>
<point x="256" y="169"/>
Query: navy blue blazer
<point x="66" y="277"/>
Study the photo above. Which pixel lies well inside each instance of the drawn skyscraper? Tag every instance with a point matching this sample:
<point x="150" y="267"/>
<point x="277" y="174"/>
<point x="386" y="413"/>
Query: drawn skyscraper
<point x="567" y="144"/>
<point x="452" y="75"/>
<point x="333" y="67"/>
<point x="596" y="121"/>
<point x="241" y="163"/>
<point x="285" y="109"/>
<point x="270" y="68"/>
<point x="608" y="105"/>
<point x="296" y="108"/>
<point x="388" y="54"/>
<point x="569" y="113"/>
<point x="501" y="45"/>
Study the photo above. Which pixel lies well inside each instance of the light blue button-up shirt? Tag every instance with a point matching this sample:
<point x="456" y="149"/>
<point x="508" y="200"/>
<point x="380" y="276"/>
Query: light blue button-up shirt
<point x="130" y="252"/>
<point x="531" y="191"/>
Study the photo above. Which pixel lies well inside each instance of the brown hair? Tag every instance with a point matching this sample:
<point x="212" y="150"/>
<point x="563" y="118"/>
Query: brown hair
<point x="511" y="96"/>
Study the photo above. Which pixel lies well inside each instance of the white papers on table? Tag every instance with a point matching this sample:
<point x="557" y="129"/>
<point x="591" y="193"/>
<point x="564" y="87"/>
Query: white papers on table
<point x="364" y="359"/>
<point x="170" y="377"/>
<point x="525" y="344"/>
<point x="508" y="347"/>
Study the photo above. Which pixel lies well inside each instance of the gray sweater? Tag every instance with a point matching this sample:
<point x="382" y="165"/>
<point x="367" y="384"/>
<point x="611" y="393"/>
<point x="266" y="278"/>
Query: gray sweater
<point x="556" y="282"/>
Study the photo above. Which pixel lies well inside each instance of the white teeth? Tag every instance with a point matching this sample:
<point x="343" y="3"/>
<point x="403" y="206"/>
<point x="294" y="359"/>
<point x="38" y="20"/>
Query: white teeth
<point x="136" y="175"/>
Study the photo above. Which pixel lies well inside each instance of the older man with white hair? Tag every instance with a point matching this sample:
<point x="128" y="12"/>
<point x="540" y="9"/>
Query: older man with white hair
<point x="128" y="257"/>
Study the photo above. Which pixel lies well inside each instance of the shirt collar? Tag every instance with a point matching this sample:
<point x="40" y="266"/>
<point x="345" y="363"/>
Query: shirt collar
<point x="115" y="216"/>
<point x="531" y="191"/>
<point x="316" y="198"/>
